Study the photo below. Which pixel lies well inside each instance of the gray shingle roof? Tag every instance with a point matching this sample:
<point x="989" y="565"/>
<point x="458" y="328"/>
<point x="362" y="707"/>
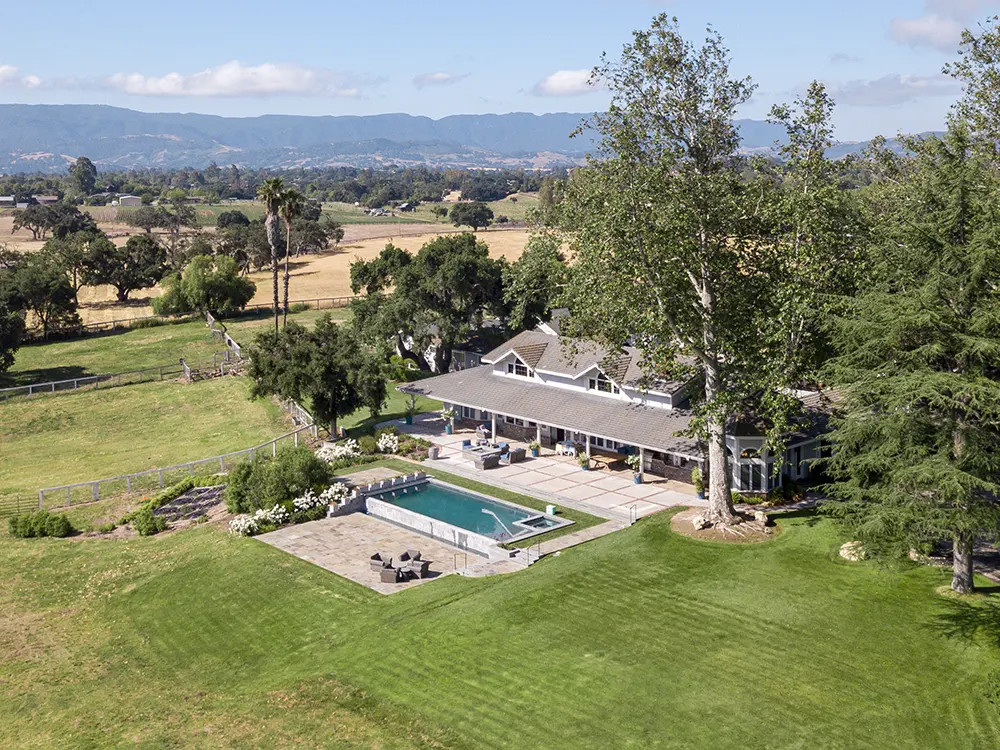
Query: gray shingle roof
<point x="547" y="353"/>
<point x="634" y="424"/>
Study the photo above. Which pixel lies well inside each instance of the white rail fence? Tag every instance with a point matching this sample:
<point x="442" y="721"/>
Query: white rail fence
<point x="222" y="362"/>
<point x="125" y="324"/>
<point x="153" y="479"/>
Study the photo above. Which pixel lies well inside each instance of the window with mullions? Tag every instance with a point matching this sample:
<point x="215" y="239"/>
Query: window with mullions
<point x="601" y="383"/>
<point x="516" y="368"/>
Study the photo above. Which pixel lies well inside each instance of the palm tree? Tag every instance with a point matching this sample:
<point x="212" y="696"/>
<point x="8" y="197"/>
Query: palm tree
<point x="270" y="193"/>
<point x="291" y="207"/>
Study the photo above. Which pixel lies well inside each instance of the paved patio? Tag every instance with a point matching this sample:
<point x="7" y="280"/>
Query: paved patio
<point x="605" y="493"/>
<point x="344" y="544"/>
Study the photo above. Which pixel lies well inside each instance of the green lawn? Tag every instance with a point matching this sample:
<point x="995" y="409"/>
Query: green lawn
<point x="395" y="408"/>
<point x="89" y="435"/>
<point x="138" y="348"/>
<point x="636" y="640"/>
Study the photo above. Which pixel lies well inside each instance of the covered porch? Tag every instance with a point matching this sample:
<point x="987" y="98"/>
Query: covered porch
<point x="607" y="490"/>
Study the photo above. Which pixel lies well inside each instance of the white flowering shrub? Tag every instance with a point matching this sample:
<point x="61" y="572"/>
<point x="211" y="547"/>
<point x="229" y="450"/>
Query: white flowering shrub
<point x="251" y="524"/>
<point x="243" y="525"/>
<point x="271" y="516"/>
<point x="335" y="451"/>
<point x="308" y="501"/>
<point x="335" y="493"/>
<point x="388" y="443"/>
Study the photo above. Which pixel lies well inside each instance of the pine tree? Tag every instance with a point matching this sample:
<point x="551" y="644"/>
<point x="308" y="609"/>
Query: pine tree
<point x="916" y="446"/>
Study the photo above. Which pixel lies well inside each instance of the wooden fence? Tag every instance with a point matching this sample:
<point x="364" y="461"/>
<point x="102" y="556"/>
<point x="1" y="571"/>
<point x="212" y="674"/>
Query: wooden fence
<point x="220" y="361"/>
<point x="154" y="479"/>
<point x="124" y="324"/>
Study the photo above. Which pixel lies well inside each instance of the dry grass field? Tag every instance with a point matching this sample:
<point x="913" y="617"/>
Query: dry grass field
<point x="329" y="274"/>
<point x="326" y="275"/>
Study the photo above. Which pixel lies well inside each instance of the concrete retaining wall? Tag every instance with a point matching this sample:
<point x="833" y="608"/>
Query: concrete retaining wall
<point x="461" y="538"/>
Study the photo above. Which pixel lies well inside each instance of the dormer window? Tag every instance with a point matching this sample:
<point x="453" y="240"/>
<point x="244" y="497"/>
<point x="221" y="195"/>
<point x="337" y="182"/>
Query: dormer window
<point x="517" y="368"/>
<point x="601" y="383"/>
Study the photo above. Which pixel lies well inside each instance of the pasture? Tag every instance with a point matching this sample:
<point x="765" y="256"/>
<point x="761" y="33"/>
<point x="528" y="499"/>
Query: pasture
<point x="329" y="274"/>
<point x="642" y="638"/>
<point x="75" y="437"/>
<point x="139" y="348"/>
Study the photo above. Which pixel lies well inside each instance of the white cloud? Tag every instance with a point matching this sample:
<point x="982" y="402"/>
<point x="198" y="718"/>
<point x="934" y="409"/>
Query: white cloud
<point x="964" y="10"/>
<point x="941" y="25"/>
<point x="10" y="76"/>
<point x="565" y="83"/>
<point x="931" y="30"/>
<point x="894" y="89"/>
<point x="235" y="79"/>
<point x="440" y="78"/>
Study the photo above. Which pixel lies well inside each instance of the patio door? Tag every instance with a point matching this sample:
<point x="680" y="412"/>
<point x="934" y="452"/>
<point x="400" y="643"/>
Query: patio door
<point x="560" y="434"/>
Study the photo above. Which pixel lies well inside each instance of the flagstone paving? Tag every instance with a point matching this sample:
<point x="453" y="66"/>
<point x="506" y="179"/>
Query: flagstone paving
<point x="609" y="494"/>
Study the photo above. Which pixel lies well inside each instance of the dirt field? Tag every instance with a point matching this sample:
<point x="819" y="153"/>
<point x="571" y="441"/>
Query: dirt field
<point x="326" y="275"/>
<point x="329" y="275"/>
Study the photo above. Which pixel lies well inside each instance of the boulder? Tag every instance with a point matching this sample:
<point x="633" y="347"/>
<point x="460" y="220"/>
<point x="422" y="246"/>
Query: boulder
<point x="760" y="517"/>
<point x="852" y="551"/>
<point x="700" y="522"/>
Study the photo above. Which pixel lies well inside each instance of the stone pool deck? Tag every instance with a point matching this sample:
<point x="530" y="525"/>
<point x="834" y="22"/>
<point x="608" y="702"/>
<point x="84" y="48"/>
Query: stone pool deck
<point x="558" y="479"/>
<point x="343" y="545"/>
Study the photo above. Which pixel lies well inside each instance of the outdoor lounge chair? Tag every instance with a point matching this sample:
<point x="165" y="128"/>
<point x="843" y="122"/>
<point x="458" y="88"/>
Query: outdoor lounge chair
<point x="377" y="562"/>
<point x="491" y="461"/>
<point x="413" y="554"/>
<point x="504" y="447"/>
<point x="389" y="575"/>
<point x="516" y="455"/>
<point x="466" y="444"/>
<point x="419" y="568"/>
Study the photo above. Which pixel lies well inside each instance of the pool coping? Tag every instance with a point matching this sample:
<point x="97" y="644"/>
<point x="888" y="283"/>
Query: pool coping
<point x="442" y="530"/>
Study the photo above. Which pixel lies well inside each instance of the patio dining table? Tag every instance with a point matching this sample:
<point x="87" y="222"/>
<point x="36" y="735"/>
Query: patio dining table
<point x="566" y="448"/>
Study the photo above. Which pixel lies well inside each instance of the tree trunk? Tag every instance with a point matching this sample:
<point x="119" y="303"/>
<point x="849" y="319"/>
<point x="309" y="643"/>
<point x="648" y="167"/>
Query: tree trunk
<point x="720" y="498"/>
<point x="405" y="353"/>
<point x="288" y="237"/>
<point x="271" y="225"/>
<point x="442" y="358"/>
<point x="961" y="580"/>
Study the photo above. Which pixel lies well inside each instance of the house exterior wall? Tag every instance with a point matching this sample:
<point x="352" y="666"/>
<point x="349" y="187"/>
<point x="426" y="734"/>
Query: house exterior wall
<point x="625" y="395"/>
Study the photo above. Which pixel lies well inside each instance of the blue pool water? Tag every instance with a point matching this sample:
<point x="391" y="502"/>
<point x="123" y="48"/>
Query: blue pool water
<point x="465" y="510"/>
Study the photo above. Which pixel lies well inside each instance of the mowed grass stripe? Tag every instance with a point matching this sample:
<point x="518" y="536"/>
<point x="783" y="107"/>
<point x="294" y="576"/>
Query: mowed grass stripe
<point x="628" y="641"/>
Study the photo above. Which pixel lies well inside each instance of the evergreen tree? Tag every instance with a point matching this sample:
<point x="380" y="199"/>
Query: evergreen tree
<point x="915" y="456"/>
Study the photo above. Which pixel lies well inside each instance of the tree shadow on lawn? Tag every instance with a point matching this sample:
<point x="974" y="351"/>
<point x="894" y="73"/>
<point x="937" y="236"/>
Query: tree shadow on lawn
<point x="42" y="375"/>
<point x="971" y="619"/>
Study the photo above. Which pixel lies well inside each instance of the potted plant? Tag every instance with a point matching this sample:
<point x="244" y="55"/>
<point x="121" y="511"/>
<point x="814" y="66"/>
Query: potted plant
<point x="411" y="409"/>
<point x="449" y="415"/>
<point x="698" y="482"/>
<point x="584" y="460"/>
<point x="535" y="447"/>
<point x="636" y="466"/>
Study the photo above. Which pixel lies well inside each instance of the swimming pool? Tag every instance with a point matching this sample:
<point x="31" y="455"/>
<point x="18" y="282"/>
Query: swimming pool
<point x="472" y="511"/>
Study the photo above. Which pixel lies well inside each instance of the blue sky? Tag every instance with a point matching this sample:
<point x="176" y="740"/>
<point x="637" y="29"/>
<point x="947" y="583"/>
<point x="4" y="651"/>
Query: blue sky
<point x="881" y="58"/>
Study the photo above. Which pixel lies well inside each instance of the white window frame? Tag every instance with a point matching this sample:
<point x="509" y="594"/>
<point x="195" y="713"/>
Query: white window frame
<point x="515" y="368"/>
<point x="603" y="384"/>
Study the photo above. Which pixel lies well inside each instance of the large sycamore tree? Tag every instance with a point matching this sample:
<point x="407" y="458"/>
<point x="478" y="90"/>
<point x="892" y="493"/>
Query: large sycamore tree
<point x="680" y="243"/>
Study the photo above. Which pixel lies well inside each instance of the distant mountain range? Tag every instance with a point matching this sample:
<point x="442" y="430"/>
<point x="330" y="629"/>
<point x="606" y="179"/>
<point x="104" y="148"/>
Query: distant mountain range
<point x="46" y="138"/>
